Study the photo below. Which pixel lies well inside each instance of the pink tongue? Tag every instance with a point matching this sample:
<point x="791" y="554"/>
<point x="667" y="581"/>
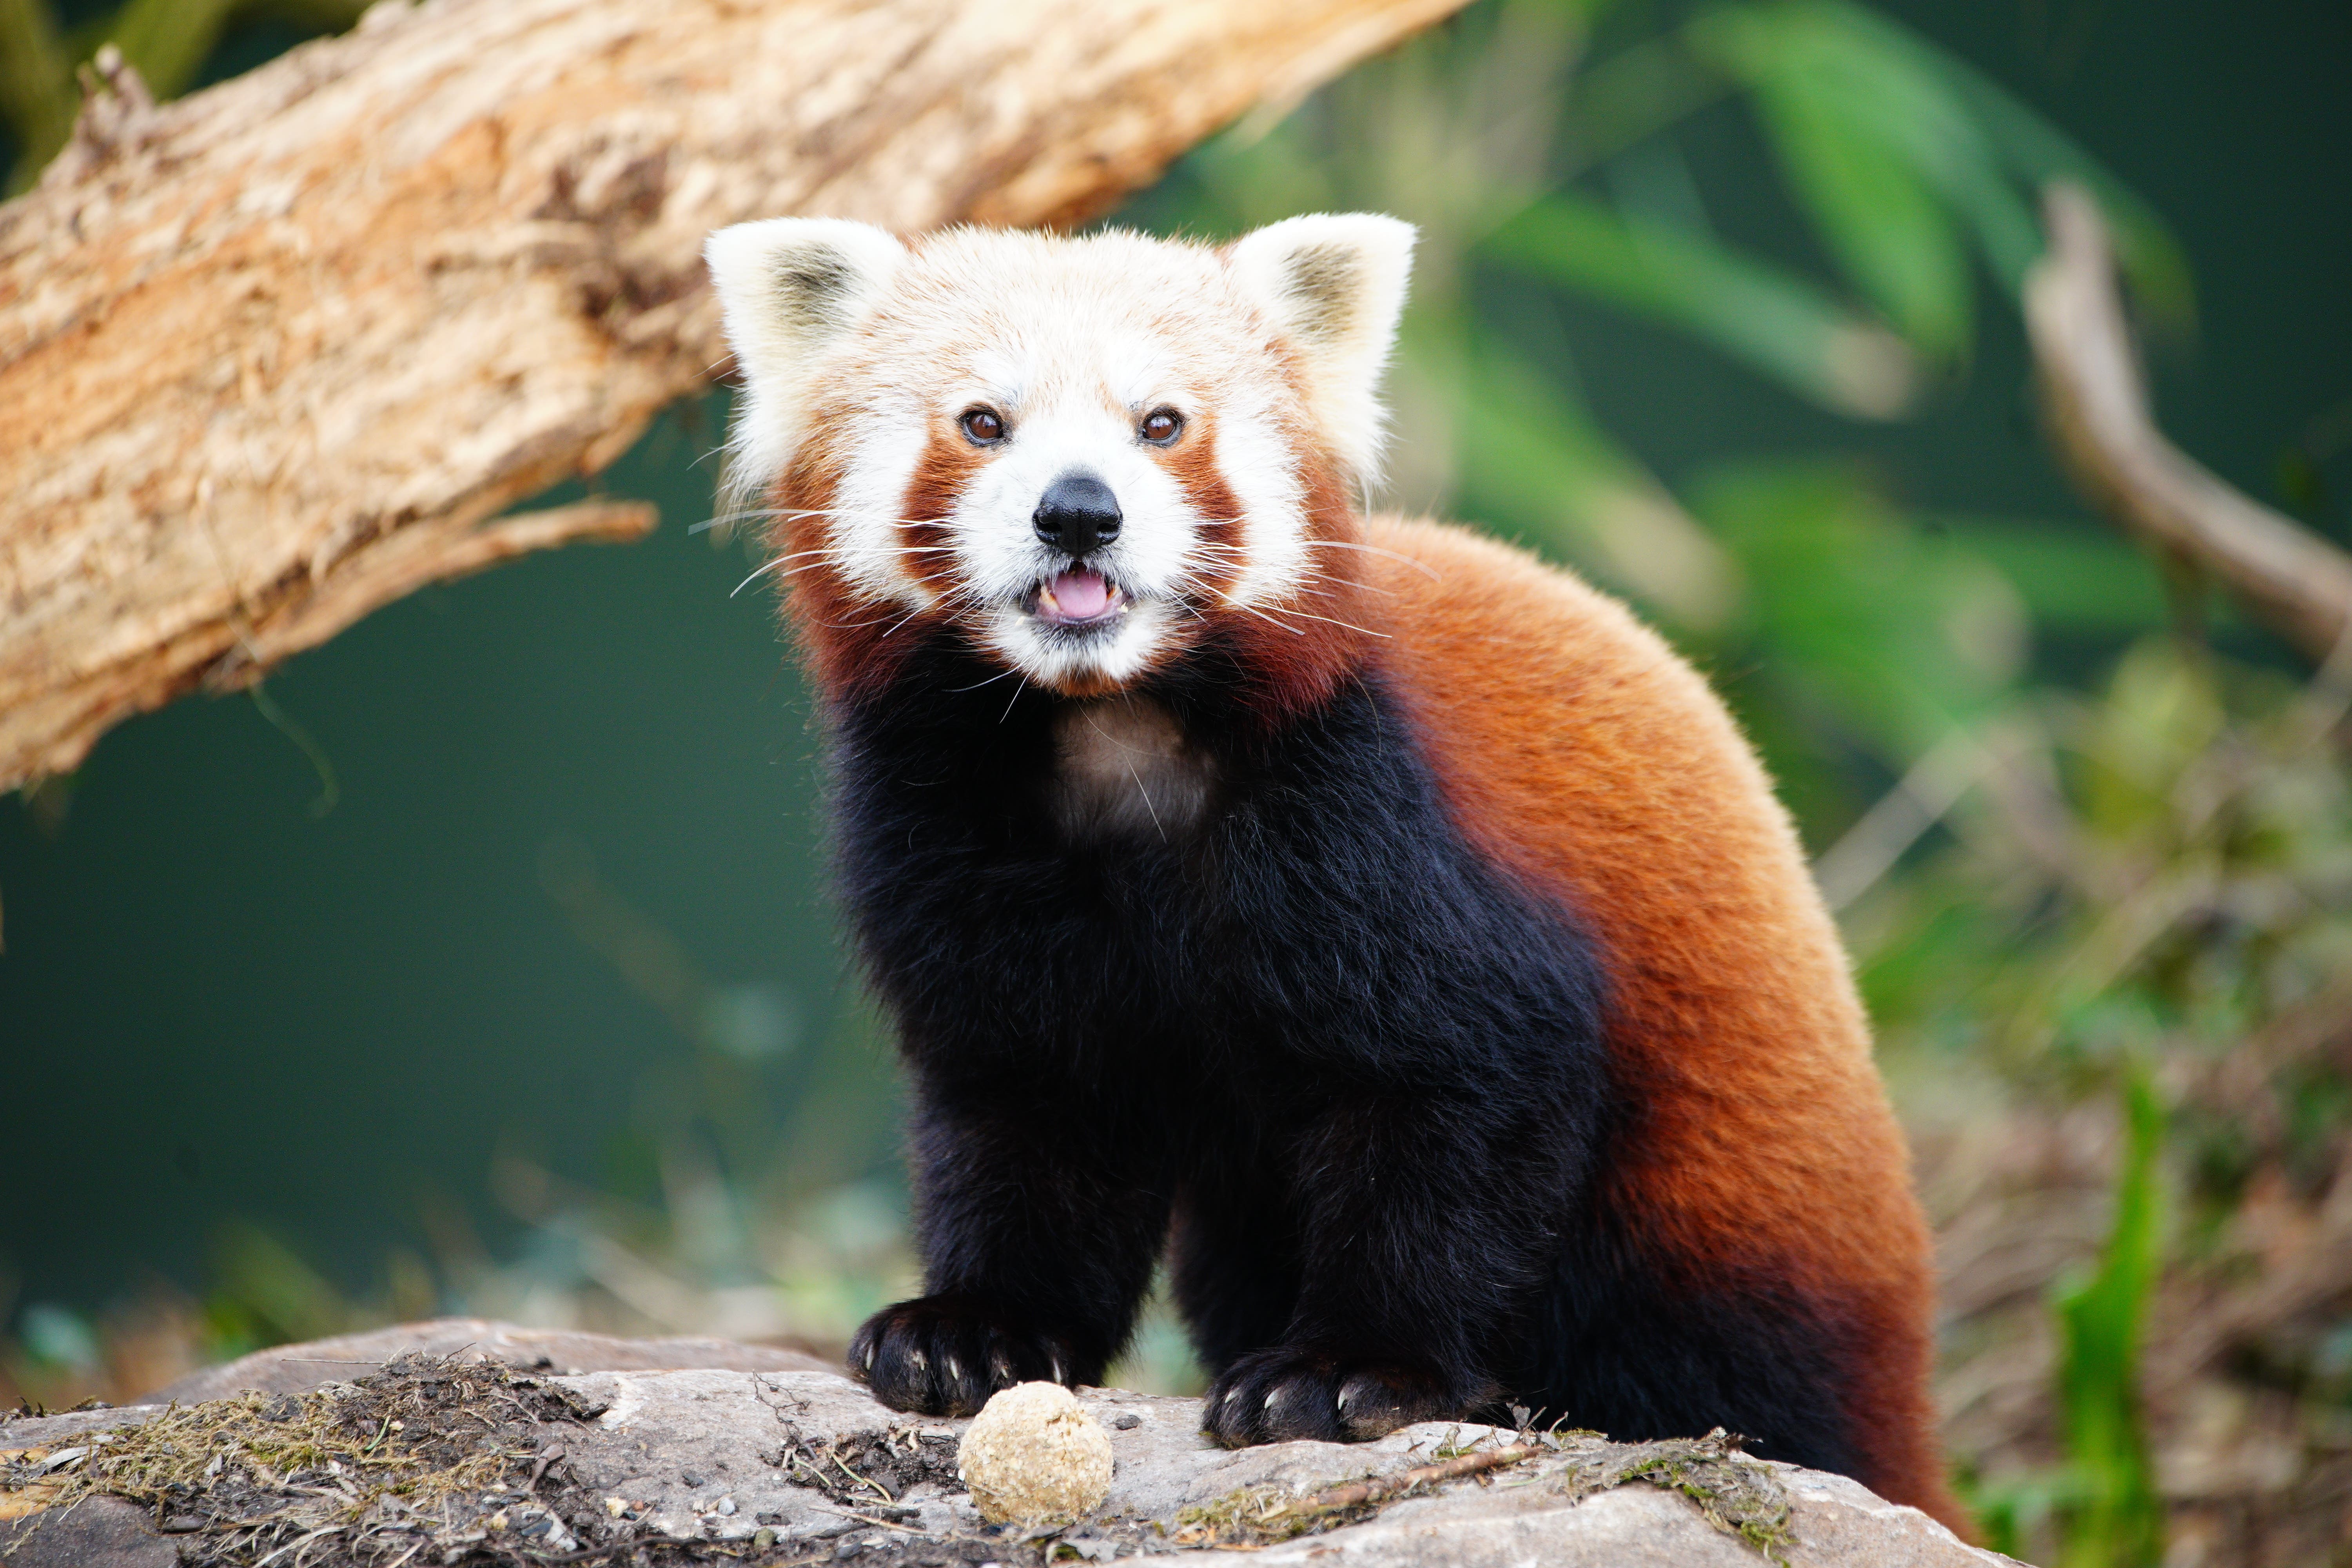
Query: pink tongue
<point x="1081" y="595"/>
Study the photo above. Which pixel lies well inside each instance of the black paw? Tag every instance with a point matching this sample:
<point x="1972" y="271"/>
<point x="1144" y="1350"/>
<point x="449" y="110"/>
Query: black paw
<point x="944" y="1355"/>
<point x="1276" y="1395"/>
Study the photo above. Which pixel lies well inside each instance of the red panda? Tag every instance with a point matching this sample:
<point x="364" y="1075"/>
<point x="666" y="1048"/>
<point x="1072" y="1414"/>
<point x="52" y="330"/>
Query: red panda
<point x="1380" y="925"/>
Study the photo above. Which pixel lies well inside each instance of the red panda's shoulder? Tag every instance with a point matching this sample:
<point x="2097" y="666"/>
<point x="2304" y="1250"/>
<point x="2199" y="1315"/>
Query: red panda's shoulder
<point x="1578" y="749"/>
<point x="1561" y="721"/>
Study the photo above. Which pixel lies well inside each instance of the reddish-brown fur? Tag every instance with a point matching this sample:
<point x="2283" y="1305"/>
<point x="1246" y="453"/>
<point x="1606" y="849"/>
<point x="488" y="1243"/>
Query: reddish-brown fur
<point x="844" y="634"/>
<point x="945" y="468"/>
<point x="1577" y="749"/>
<point x="1223" y="529"/>
<point x="1304" y="647"/>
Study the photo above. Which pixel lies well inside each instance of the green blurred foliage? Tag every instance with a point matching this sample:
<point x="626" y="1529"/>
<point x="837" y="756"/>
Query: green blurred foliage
<point x="2117" y="1520"/>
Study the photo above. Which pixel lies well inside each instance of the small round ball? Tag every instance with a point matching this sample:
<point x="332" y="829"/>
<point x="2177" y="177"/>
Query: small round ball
<point x="1033" y="1455"/>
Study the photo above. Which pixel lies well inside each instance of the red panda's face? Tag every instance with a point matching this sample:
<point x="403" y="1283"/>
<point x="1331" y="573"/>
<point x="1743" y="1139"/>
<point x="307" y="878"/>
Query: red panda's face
<point x="1078" y="452"/>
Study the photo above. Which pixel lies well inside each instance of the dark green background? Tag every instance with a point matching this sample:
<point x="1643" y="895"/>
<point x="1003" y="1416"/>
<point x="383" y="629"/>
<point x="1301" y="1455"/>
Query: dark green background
<point x="214" y="1003"/>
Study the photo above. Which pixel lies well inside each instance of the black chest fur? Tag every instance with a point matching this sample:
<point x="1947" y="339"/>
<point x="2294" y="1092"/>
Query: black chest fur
<point x="1153" y="903"/>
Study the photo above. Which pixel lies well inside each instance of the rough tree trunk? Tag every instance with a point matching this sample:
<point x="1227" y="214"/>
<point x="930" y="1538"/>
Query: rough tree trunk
<point x="279" y="353"/>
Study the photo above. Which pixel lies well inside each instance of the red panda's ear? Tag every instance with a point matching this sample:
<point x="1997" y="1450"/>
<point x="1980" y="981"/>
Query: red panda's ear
<point x="789" y="289"/>
<point x="1334" y="283"/>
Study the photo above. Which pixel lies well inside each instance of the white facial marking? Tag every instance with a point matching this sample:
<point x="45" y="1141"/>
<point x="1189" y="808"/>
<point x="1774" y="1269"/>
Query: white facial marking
<point x="868" y="539"/>
<point x="1263" y="476"/>
<point x="1065" y="426"/>
<point x="860" y="358"/>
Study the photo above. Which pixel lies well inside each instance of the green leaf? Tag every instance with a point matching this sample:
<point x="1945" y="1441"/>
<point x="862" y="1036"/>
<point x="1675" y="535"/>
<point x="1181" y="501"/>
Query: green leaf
<point x="2118" y="1520"/>
<point x="36" y="85"/>
<point x="2069" y="576"/>
<point x="1889" y="79"/>
<point x="167" y="40"/>
<point x="1852" y="159"/>
<point x="1774" y="320"/>
<point x="1842" y="89"/>
<point x="2036" y="151"/>
<point x="1894" y="239"/>
<point x="1893" y="638"/>
<point x="1533" y="460"/>
<point x="1634" y="94"/>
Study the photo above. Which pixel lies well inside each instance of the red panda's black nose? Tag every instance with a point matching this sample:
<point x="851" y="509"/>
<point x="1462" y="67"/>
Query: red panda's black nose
<point x="1076" y="514"/>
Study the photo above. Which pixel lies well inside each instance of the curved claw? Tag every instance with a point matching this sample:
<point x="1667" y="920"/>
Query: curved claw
<point x="1281" y="1394"/>
<point x="944" y="1355"/>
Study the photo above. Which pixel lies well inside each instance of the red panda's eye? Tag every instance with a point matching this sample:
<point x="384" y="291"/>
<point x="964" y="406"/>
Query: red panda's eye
<point x="1159" y="426"/>
<point x="983" y="426"/>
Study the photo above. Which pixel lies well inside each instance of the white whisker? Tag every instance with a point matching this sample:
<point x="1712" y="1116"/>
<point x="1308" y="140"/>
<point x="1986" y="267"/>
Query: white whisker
<point x="1367" y="631"/>
<point x="1422" y="566"/>
<point x="1147" y="800"/>
<point x="762" y="569"/>
<point x="1261" y="614"/>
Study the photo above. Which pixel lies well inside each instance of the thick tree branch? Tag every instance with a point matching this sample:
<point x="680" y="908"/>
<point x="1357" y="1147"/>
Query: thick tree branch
<point x="274" y="354"/>
<point x="2288" y="577"/>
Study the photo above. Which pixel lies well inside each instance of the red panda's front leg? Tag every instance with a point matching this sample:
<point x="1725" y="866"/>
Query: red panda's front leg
<point x="1421" y="1246"/>
<point x="1038" y="1243"/>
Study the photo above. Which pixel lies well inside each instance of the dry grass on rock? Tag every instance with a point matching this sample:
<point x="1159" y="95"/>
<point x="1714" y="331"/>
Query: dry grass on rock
<point x="427" y="1456"/>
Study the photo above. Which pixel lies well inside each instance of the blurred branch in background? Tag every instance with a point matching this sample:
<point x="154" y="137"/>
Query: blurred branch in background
<point x="2291" y="578"/>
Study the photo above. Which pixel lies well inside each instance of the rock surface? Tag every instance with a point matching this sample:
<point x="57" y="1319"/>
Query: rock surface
<point x="786" y="1465"/>
<point x="290" y="1369"/>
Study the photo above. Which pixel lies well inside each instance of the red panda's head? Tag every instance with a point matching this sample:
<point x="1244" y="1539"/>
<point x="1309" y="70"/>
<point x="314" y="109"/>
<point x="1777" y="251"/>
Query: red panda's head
<point x="1085" y="455"/>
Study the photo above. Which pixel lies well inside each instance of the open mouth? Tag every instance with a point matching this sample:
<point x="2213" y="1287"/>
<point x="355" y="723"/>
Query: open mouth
<point x="1079" y="598"/>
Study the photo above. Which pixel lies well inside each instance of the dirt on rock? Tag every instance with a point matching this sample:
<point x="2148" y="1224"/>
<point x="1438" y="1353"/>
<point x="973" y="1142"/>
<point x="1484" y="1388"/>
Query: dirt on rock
<point x="428" y="1455"/>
